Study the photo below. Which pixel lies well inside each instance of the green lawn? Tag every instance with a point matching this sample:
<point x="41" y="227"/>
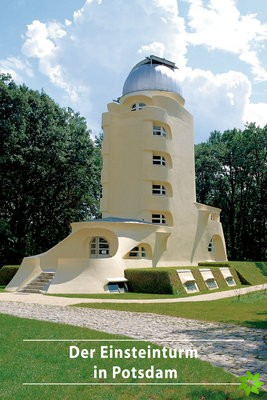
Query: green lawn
<point x="248" y="310"/>
<point x="49" y="362"/>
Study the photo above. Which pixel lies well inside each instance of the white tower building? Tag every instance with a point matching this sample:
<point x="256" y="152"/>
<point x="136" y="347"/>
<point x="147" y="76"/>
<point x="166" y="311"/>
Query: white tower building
<point x="150" y="216"/>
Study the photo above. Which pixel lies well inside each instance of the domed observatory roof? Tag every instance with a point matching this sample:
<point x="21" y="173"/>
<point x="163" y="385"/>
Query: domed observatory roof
<point x="153" y="73"/>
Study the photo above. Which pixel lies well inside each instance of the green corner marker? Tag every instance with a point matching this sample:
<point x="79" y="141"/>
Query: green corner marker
<point x="250" y="383"/>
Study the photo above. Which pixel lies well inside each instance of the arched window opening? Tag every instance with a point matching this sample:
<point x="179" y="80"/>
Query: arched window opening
<point x="159" y="130"/>
<point x="158" y="219"/>
<point x="138" y="106"/>
<point x="99" y="247"/>
<point x="159" y="190"/>
<point x="210" y="246"/>
<point x="159" y="160"/>
<point x="138" y="252"/>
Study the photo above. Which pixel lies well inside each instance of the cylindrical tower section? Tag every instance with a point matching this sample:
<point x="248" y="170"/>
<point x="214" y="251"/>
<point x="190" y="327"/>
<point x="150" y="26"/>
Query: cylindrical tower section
<point x="148" y="155"/>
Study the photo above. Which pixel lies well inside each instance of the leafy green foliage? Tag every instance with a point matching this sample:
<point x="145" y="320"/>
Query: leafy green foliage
<point x="49" y="171"/>
<point x="231" y="173"/>
<point x="7" y="273"/>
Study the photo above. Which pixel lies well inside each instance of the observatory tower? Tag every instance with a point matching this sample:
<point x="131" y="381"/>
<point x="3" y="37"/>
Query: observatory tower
<point x="150" y="216"/>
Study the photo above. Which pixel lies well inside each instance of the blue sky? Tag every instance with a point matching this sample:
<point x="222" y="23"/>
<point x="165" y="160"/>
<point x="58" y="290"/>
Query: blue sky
<point x="80" y="52"/>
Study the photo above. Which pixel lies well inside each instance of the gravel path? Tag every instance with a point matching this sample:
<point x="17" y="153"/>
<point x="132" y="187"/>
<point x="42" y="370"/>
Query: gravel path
<point x="236" y="349"/>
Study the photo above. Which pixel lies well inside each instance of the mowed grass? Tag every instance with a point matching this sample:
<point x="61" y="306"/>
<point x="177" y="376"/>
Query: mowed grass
<point x="45" y="362"/>
<point x="248" y="310"/>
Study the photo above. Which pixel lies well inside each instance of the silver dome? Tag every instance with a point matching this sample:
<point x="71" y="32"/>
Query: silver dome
<point x="153" y="73"/>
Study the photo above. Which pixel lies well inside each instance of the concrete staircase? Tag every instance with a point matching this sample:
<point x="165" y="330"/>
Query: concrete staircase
<point x="39" y="284"/>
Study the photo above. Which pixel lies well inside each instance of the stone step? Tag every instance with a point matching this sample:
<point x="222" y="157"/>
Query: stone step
<point x="39" y="284"/>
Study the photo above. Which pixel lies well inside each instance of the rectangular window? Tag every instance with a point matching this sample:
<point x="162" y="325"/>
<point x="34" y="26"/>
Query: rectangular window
<point x="230" y="281"/>
<point x="191" y="286"/>
<point x="159" y="131"/>
<point x="158" y="190"/>
<point x="211" y="283"/>
<point x="158" y="219"/>
<point x="159" y="160"/>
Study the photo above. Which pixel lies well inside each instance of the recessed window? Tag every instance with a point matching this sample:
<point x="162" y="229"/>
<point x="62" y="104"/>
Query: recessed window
<point x="159" y="130"/>
<point x="138" y="252"/>
<point x="188" y="280"/>
<point x="117" y="287"/>
<point x="99" y="247"/>
<point x="159" y="160"/>
<point x="210" y="246"/>
<point x="191" y="286"/>
<point x="230" y="281"/>
<point x="208" y="277"/>
<point x="137" y="106"/>
<point x="158" y="219"/>
<point x="211" y="284"/>
<point x="159" y="190"/>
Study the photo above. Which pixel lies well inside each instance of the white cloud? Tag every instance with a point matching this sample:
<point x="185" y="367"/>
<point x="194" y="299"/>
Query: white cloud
<point x="86" y="59"/>
<point x="217" y="101"/>
<point x="256" y="112"/>
<point x="38" y="43"/>
<point x="44" y="42"/>
<point x="152" y="48"/>
<point x="219" y="25"/>
<point x="16" y="67"/>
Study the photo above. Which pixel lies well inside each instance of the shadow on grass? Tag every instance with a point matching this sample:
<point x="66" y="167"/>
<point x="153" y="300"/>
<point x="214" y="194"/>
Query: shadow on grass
<point x="256" y="324"/>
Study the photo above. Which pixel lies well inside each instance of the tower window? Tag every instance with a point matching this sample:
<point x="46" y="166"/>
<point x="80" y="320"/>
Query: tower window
<point x="159" y="160"/>
<point x="159" y="190"/>
<point x="99" y="247"/>
<point x="159" y="130"/>
<point x="137" y="106"/>
<point x="158" y="219"/>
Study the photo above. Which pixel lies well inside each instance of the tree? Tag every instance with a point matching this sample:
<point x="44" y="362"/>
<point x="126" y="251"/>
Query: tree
<point x="231" y="174"/>
<point x="48" y="171"/>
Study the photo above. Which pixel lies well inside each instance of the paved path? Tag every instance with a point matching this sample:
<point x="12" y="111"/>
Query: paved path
<point x="234" y="348"/>
<point x="65" y="301"/>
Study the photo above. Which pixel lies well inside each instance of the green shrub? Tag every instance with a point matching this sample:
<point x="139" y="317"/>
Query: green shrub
<point x="214" y="264"/>
<point x="149" y="280"/>
<point x="6" y="273"/>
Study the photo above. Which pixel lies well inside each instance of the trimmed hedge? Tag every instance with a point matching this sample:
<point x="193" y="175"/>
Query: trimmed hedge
<point x="150" y="280"/>
<point x="165" y="280"/>
<point x="6" y="273"/>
